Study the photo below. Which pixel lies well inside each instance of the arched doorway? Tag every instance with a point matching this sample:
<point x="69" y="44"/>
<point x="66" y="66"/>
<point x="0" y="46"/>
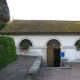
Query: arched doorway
<point x="53" y="53"/>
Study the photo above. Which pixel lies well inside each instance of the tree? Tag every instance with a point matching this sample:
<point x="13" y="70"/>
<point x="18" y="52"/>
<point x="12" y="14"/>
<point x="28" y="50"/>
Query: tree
<point x="4" y="11"/>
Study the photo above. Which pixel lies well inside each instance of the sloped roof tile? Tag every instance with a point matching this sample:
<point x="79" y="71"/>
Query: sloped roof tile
<point x="42" y="27"/>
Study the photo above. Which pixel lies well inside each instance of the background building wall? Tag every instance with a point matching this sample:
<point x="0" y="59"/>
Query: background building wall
<point x="39" y="47"/>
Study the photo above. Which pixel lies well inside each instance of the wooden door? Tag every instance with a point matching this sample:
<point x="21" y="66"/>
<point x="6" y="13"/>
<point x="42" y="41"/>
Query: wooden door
<point x="53" y="56"/>
<point x="50" y="57"/>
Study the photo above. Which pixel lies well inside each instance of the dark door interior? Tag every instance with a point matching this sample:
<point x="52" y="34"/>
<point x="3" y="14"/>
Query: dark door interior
<point x="56" y="57"/>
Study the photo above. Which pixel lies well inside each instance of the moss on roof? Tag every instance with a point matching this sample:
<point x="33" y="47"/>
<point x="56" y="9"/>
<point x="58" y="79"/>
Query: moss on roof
<point x="42" y="26"/>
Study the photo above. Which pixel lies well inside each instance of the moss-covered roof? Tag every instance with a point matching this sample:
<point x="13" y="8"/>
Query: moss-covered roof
<point x="42" y="27"/>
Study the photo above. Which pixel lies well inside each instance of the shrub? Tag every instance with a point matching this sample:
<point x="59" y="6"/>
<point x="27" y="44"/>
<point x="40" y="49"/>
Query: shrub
<point x="2" y="25"/>
<point x="7" y="51"/>
<point x="24" y="46"/>
<point x="78" y="46"/>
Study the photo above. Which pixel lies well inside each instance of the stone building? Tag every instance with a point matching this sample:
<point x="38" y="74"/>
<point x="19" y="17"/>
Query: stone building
<point x="47" y="38"/>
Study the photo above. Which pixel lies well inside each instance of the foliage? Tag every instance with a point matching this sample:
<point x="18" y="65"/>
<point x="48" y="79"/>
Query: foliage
<point x="78" y="46"/>
<point x="4" y="11"/>
<point x="2" y="25"/>
<point x="7" y="51"/>
<point x="24" y="46"/>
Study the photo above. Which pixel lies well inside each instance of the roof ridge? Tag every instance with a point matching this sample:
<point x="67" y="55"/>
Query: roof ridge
<point x="47" y="20"/>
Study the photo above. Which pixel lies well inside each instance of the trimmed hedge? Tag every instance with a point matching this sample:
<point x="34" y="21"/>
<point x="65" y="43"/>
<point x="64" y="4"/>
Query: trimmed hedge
<point x="7" y="51"/>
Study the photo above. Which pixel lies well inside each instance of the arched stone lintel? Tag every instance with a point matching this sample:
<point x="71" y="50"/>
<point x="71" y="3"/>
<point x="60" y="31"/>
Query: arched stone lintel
<point x="55" y="39"/>
<point x="76" y="41"/>
<point x="23" y="39"/>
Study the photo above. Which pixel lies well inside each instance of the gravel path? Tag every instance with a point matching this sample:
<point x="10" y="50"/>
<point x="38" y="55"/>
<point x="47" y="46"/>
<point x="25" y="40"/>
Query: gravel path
<point x="61" y="74"/>
<point x="17" y="70"/>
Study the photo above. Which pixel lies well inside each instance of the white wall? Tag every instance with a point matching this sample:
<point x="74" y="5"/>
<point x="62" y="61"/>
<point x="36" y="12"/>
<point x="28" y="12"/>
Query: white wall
<point x="39" y="45"/>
